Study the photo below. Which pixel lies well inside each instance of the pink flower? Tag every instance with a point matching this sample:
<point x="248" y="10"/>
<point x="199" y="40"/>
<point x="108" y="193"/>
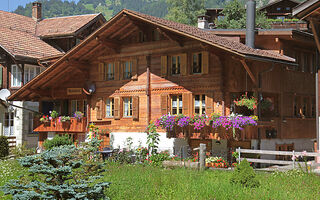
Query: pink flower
<point x="304" y="153"/>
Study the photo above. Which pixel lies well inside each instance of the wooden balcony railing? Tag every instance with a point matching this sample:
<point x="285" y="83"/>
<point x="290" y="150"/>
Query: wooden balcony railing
<point x="72" y="126"/>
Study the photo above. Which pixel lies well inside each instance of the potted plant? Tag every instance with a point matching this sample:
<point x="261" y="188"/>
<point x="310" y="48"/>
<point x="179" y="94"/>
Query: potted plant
<point x="78" y="115"/>
<point x="44" y="119"/>
<point x="244" y="100"/>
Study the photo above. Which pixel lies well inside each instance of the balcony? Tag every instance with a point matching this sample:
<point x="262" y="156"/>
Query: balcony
<point x="72" y="126"/>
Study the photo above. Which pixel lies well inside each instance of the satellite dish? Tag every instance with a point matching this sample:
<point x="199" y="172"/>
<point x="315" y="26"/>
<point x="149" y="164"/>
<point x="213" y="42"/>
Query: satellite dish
<point x="90" y="88"/>
<point x="4" y="93"/>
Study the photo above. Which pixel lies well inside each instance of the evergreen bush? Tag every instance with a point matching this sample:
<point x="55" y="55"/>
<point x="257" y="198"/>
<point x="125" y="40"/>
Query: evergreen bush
<point x="244" y="175"/>
<point x="4" y="146"/>
<point x="60" y="173"/>
<point x="57" y="141"/>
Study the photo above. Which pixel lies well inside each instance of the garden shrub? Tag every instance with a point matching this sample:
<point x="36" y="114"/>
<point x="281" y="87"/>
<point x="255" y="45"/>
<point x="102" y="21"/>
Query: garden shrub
<point x="122" y="157"/>
<point x="57" y="141"/>
<point x="4" y="146"/>
<point x="157" y="159"/>
<point x="244" y="175"/>
<point x="22" y="151"/>
<point x="59" y="173"/>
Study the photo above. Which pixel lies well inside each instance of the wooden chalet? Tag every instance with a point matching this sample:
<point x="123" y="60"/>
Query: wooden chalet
<point x="143" y="67"/>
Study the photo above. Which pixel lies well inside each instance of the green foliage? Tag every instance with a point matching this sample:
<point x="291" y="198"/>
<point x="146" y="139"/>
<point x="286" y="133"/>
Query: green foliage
<point x="157" y="159"/>
<point x="22" y="151"/>
<point x="185" y="11"/>
<point x="244" y="175"/>
<point x="57" y="141"/>
<point x="54" y="114"/>
<point x="153" y="138"/>
<point x="235" y="17"/>
<point x="4" y="146"/>
<point x="59" y="173"/>
<point x="122" y="157"/>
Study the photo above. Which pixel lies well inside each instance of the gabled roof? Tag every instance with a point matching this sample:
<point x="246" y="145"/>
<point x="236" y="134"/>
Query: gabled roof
<point x="60" y="69"/>
<point x="19" y="35"/>
<point x="68" y="25"/>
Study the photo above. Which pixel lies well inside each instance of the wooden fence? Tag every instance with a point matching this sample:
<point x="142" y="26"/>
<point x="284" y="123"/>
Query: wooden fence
<point x="12" y="141"/>
<point x="292" y="155"/>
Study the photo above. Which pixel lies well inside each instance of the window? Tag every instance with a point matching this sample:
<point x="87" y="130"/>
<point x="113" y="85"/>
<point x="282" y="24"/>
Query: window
<point x="110" y="107"/>
<point x="200" y="104"/>
<point x="287" y="8"/>
<point x="175" y="65"/>
<point x="127" y="71"/>
<point x="278" y="9"/>
<point x="142" y="37"/>
<point x="109" y="71"/>
<point x="16" y="76"/>
<point x="127" y="107"/>
<point x="30" y="72"/>
<point x="75" y="106"/>
<point x="176" y="104"/>
<point x="196" y="63"/>
<point x="155" y="35"/>
<point x="8" y="123"/>
<point x="84" y="107"/>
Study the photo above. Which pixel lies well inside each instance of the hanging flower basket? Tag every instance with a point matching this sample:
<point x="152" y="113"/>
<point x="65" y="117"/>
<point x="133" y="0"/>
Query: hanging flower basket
<point x="244" y="100"/>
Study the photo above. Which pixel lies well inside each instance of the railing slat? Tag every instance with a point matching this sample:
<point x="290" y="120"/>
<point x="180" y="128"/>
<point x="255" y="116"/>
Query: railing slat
<point x="285" y="153"/>
<point x="279" y="162"/>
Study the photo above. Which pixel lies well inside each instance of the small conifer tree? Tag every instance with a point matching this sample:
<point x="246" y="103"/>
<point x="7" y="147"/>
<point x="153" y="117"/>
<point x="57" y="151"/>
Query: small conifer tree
<point x="244" y="175"/>
<point x="4" y="146"/>
<point x="60" y="173"/>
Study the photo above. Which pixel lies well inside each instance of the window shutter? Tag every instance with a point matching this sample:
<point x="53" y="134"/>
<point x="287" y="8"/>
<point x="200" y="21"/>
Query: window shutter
<point x="209" y="103"/>
<point x="135" y="108"/>
<point x="116" y="70"/>
<point x="99" y="109"/>
<point x="186" y="102"/>
<point x="135" y="69"/>
<point x="1" y="76"/>
<point x="205" y="62"/>
<point x="164" y="104"/>
<point x="164" y="66"/>
<point x="183" y="63"/>
<point x="101" y="72"/>
<point x="117" y="108"/>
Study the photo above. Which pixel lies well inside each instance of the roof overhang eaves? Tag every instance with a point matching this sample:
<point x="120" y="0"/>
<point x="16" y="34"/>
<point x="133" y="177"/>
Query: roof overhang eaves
<point x="264" y="59"/>
<point x="300" y="10"/>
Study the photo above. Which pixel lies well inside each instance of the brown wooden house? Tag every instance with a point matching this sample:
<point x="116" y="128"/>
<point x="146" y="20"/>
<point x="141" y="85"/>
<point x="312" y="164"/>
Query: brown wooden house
<point x="143" y="67"/>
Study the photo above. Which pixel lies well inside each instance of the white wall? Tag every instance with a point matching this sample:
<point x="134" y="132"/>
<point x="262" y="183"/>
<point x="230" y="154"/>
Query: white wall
<point x="118" y="140"/>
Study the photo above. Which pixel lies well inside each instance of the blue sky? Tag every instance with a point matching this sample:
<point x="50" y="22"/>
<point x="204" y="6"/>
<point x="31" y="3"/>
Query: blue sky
<point x="13" y="4"/>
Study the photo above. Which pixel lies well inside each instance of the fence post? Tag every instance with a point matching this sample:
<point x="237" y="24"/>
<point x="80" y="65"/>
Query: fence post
<point x="239" y="156"/>
<point x="202" y="155"/>
<point x="293" y="159"/>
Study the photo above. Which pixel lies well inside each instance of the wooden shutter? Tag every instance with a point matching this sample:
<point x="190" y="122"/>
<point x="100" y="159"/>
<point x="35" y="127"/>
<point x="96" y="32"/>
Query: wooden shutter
<point x="99" y="109"/>
<point x="186" y="104"/>
<point x="117" y="111"/>
<point x="164" y="66"/>
<point x="101" y="71"/>
<point x="135" y="69"/>
<point x="164" y="104"/>
<point x="205" y="62"/>
<point x="117" y="70"/>
<point x="183" y="64"/>
<point x="209" y="103"/>
<point x="135" y="108"/>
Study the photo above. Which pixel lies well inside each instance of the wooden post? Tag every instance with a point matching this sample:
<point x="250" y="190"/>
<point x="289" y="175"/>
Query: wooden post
<point x="293" y="159"/>
<point x="239" y="158"/>
<point x="202" y="156"/>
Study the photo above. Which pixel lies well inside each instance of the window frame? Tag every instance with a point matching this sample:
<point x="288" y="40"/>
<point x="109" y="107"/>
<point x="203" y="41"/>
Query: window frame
<point x="77" y="106"/>
<point x="178" y="58"/>
<point x="16" y="73"/>
<point x="199" y="55"/>
<point x="179" y="106"/>
<point x="111" y="102"/>
<point x="107" y="69"/>
<point x="129" y="103"/>
<point x="202" y="104"/>
<point x="124" y="72"/>
<point x="27" y="72"/>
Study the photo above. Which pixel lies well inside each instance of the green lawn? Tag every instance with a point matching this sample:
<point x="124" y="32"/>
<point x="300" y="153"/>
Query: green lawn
<point x="146" y="182"/>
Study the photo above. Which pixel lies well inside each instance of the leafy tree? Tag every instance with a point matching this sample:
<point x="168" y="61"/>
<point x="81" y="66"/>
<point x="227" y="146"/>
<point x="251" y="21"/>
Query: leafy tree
<point x="235" y="17"/>
<point x="185" y="11"/>
<point x="63" y="172"/>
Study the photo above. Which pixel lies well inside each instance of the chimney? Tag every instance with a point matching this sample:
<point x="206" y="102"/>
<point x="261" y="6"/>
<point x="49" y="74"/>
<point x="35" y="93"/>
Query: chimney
<point x="203" y="22"/>
<point x="36" y="11"/>
<point x="251" y="22"/>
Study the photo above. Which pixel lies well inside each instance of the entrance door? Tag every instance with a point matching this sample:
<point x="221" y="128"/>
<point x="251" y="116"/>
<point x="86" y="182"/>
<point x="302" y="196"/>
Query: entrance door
<point x="8" y="124"/>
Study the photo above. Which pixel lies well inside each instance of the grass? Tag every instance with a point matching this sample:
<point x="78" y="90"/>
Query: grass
<point x="147" y="182"/>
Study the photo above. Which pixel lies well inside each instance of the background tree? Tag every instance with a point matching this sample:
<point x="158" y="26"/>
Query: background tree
<point x="235" y="17"/>
<point x="185" y="11"/>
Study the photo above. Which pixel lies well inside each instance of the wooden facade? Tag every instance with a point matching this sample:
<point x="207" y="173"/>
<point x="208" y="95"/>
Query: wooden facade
<point x="144" y="69"/>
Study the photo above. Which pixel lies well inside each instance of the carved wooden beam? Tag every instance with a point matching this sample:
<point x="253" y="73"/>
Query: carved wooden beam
<point x="121" y="30"/>
<point x="110" y="44"/>
<point x="128" y="33"/>
<point x="246" y="67"/>
<point x="171" y="38"/>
